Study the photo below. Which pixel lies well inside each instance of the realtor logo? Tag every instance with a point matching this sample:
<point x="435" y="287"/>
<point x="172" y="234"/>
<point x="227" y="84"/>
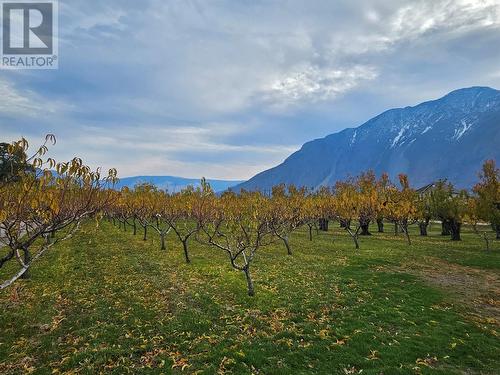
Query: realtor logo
<point x="29" y="34"/>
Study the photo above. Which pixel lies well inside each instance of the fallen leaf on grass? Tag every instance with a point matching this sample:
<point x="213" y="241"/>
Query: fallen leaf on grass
<point x="373" y="356"/>
<point x="428" y="361"/>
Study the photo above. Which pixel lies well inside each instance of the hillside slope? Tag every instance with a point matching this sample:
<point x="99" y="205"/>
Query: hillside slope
<point x="445" y="138"/>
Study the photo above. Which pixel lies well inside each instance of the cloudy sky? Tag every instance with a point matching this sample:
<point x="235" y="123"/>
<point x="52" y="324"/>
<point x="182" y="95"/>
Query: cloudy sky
<point x="225" y="89"/>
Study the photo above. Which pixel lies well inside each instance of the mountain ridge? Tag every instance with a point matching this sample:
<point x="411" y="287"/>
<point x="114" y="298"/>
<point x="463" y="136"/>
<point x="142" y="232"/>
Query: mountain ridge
<point x="448" y="137"/>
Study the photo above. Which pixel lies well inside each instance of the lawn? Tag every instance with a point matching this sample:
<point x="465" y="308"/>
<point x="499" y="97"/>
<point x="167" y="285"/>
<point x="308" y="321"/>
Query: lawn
<point x="106" y="301"/>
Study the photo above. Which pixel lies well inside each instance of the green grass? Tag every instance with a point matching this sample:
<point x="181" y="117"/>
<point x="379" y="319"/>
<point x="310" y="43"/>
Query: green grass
<point x="106" y="301"/>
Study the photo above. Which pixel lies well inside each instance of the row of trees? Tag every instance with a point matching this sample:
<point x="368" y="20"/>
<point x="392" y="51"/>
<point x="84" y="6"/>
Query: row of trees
<point x="43" y="202"/>
<point x="240" y="224"/>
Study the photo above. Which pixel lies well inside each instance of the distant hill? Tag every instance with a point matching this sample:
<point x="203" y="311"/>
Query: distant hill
<point x="445" y="138"/>
<point x="174" y="184"/>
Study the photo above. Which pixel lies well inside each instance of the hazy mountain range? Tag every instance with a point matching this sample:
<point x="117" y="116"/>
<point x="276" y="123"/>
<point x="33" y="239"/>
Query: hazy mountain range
<point x="174" y="184"/>
<point x="445" y="138"/>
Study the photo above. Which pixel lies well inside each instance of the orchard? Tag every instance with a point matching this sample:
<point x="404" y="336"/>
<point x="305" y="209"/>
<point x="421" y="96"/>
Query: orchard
<point x="43" y="201"/>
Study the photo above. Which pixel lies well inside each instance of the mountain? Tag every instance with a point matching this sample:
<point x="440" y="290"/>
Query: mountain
<point x="174" y="184"/>
<point x="445" y="138"/>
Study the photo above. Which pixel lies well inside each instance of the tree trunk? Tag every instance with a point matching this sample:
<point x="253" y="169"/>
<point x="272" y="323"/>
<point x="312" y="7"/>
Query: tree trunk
<point x="380" y="225"/>
<point x="356" y="243"/>
<point x="423" y="227"/>
<point x="145" y="233"/>
<point x="135" y="227"/>
<point x="496" y="228"/>
<point x="354" y="237"/>
<point x="162" y="238"/>
<point x="287" y="245"/>
<point x="396" y="228"/>
<point x="365" y="228"/>
<point x="251" y="290"/>
<point x="186" y="253"/>
<point x="26" y="260"/>
<point x="323" y="225"/>
<point x="487" y="240"/>
<point x="345" y="224"/>
<point x="310" y="232"/>
<point x="455" y="230"/>
<point x="404" y="227"/>
<point x="445" y="228"/>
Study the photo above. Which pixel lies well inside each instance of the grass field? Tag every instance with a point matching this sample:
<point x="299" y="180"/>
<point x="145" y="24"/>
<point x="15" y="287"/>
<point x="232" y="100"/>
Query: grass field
<point x="106" y="301"/>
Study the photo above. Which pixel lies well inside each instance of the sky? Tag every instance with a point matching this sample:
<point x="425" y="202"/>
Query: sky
<point x="226" y="89"/>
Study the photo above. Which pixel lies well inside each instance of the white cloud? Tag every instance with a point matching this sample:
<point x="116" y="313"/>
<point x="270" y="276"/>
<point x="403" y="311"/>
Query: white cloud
<point x="157" y="165"/>
<point x="312" y="84"/>
<point x="90" y="16"/>
<point x="171" y="140"/>
<point x="416" y="20"/>
<point x="24" y="103"/>
<point x="187" y="151"/>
